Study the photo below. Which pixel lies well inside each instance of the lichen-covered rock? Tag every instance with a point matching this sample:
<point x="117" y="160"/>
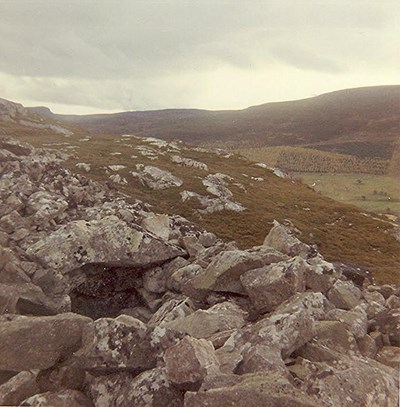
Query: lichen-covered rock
<point x="344" y="294"/>
<point x="256" y="390"/>
<point x="283" y="239"/>
<point x="389" y="356"/>
<point x="64" y="398"/>
<point x="159" y="225"/>
<point x="205" y="323"/>
<point x="109" y="240"/>
<point x="45" y="206"/>
<point x="388" y="322"/>
<point x="355" y="320"/>
<point x="271" y="285"/>
<point x="149" y="389"/>
<point x="224" y="271"/>
<point x="320" y="275"/>
<point x="288" y="328"/>
<point x="38" y="342"/>
<point x="190" y="361"/>
<point x="18" y="388"/>
<point x="353" y="383"/>
<point x="28" y="299"/>
<point x="116" y="344"/>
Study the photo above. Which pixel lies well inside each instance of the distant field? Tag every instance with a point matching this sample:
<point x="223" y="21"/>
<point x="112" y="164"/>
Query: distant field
<point x="377" y="193"/>
<point x="311" y="160"/>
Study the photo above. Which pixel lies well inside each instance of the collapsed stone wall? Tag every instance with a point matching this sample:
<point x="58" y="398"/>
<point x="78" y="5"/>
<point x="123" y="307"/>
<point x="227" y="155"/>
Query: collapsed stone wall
<point x="105" y="303"/>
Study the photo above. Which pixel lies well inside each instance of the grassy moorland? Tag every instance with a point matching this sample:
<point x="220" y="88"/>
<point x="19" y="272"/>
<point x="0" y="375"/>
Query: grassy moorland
<point x="342" y="232"/>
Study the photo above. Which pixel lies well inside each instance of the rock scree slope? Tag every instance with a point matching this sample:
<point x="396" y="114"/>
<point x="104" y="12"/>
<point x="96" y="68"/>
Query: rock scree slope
<point x="106" y="303"/>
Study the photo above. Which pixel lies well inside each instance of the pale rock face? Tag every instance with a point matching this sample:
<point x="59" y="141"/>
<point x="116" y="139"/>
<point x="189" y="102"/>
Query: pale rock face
<point x="156" y="178"/>
<point x="344" y="295"/>
<point x="109" y="240"/>
<point x="212" y="205"/>
<point x="224" y="271"/>
<point x="205" y="323"/>
<point x="188" y="162"/>
<point x="389" y="356"/>
<point x="269" y="286"/>
<point x="355" y="320"/>
<point x="353" y="383"/>
<point x="282" y="239"/>
<point x="116" y="167"/>
<point x="159" y="225"/>
<point x="190" y="361"/>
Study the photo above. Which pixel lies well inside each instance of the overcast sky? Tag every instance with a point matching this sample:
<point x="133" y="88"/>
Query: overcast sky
<point x="103" y="56"/>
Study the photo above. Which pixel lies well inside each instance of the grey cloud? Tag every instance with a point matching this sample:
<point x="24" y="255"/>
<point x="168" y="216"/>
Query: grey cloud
<point x="121" y="53"/>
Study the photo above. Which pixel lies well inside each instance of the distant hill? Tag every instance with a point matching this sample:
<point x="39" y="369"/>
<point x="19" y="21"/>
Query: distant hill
<point x="224" y="193"/>
<point x="363" y="122"/>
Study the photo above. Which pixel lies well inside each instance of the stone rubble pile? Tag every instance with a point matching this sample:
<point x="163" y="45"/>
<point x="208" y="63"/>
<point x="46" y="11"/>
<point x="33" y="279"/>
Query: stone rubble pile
<point x="104" y="303"/>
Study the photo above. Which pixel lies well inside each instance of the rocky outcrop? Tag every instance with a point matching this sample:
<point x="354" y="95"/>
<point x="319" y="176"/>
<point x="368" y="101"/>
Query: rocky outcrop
<point x="165" y="314"/>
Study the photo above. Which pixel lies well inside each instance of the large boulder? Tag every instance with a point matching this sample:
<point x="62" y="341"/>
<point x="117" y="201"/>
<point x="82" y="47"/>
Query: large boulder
<point x="38" y="342"/>
<point x="344" y="294"/>
<point x="205" y="323"/>
<point x="116" y="344"/>
<point x="190" y="361"/>
<point x="256" y="390"/>
<point x="28" y="299"/>
<point x="224" y="271"/>
<point x="283" y="239"/>
<point x="271" y="285"/>
<point x="108" y="240"/>
<point x="388" y="322"/>
<point x="352" y="382"/>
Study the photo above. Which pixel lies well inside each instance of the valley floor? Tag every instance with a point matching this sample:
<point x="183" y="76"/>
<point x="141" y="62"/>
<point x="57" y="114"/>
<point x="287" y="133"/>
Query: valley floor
<point x="377" y="193"/>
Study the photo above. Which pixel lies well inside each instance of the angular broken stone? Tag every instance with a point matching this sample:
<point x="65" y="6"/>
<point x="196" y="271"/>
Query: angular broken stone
<point x="224" y="271"/>
<point x="282" y="239"/>
<point x="255" y="390"/>
<point x="389" y="356"/>
<point x="205" y="323"/>
<point x="388" y="322"/>
<point x="18" y="388"/>
<point x="151" y="388"/>
<point x="38" y="342"/>
<point x="344" y="294"/>
<point x="271" y="285"/>
<point x="108" y="240"/>
<point x="63" y="398"/>
<point x="190" y="361"/>
<point x="116" y="344"/>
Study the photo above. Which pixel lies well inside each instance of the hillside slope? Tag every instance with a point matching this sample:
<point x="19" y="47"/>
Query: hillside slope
<point x="227" y="194"/>
<point x="364" y="122"/>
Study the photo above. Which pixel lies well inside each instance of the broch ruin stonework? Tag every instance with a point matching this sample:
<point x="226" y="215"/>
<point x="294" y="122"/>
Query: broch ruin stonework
<point x="105" y="303"/>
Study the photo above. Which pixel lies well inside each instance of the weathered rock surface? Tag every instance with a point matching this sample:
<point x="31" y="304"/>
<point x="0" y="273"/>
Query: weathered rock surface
<point x="257" y="390"/>
<point x="150" y="389"/>
<point x="38" y="342"/>
<point x="190" y="361"/>
<point x="64" y="398"/>
<point x="116" y="344"/>
<point x="271" y="285"/>
<point x="18" y="388"/>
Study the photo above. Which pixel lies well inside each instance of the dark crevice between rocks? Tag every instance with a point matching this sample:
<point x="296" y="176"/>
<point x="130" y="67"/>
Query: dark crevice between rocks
<point x="103" y="290"/>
